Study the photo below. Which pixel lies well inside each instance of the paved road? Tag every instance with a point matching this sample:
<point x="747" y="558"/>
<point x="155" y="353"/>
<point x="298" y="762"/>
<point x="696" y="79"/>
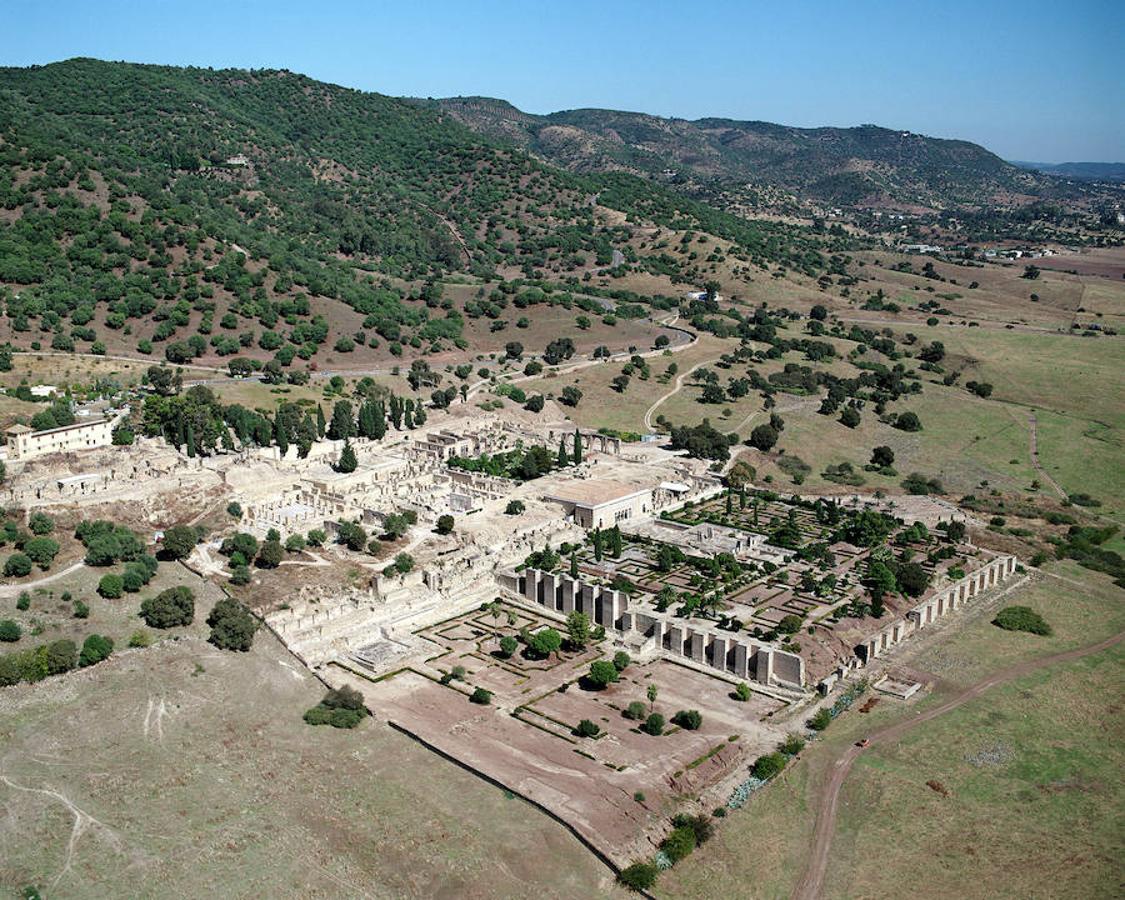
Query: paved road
<point x="812" y="881"/>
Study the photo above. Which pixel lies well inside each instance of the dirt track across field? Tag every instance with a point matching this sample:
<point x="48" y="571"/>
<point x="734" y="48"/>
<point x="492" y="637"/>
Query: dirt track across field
<point x="811" y="882"/>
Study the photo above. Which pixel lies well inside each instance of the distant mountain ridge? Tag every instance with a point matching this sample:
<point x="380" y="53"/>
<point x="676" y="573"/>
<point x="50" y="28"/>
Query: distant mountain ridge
<point x="866" y="165"/>
<point x="1084" y="171"/>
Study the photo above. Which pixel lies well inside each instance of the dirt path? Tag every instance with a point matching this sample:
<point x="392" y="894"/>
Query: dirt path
<point x="811" y="882"/>
<point x="11" y="590"/>
<point x="1033" y="425"/>
<point x="672" y="393"/>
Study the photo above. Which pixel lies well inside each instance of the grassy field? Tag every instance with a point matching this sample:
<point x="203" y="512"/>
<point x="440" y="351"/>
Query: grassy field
<point x="182" y="770"/>
<point x="1033" y="806"/>
<point x="1060" y="749"/>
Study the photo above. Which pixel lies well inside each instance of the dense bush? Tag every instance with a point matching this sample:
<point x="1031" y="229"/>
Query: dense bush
<point x="232" y="626"/>
<point x="765" y="767"/>
<point x="689" y="719"/>
<point x="640" y="876"/>
<point x="1022" y="618"/>
<point x="170" y="608"/>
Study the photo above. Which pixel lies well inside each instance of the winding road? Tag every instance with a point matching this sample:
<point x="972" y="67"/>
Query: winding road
<point x="811" y="882"/>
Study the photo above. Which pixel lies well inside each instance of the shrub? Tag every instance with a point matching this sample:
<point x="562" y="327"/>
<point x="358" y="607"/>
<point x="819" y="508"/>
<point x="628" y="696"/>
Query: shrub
<point x="81" y="610"/>
<point x="234" y="510"/>
<point x="140" y="638"/>
<point x="95" y="648"/>
<point x="445" y="524"/>
<point x="700" y="824"/>
<point x="10" y="631"/>
<point x="57" y="657"/>
<point x="24" y="601"/>
<point x="514" y="508"/>
<point x="17" y="566"/>
<point x="603" y="673"/>
<point x="621" y="660"/>
<point x="792" y="745"/>
<point x="586" y="728"/>
<point x="654" y="725"/>
<point x="765" y="767"/>
<point x="640" y="876"/>
<point x="679" y="843"/>
<point x="232" y="626"/>
<point x="742" y="692"/>
<point x="635" y="710"/>
<point x="508" y="645"/>
<point x="41" y="524"/>
<point x="821" y="719"/>
<point x="295" y="543"/>
<point x="111" y="586"/>
<point x="481" y="696"/>
<point x="270" y="555"/>
<point x="341" y="708"/>
<point x="1022" y="618"/>
<point x="689" y="719"/>
<point x="171" y="607"/>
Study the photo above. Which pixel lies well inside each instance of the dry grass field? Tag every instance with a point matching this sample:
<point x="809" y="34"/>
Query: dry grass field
<point x="181" y="765"/>
<point x="1031" y="770"/>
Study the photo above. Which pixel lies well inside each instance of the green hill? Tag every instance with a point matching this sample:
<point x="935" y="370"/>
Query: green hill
<point x="866" y="165"/>
<point x="126" y="190"/>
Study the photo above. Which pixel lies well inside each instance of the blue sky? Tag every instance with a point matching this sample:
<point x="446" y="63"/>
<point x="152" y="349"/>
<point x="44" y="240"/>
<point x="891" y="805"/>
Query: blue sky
<point x="1030" y="80"/>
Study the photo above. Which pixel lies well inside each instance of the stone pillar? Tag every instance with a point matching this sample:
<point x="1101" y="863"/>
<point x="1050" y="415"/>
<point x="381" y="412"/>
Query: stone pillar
<point x="569" y="588"/>
<point x="531" y="584"/>
<point x="696" y="649"/>
<point x="676" y="636"/>
<point x="764" y="669"/>
<point x="719" y="647"/>
<point x="898" y="630"/>
<point x="941" y="605"/>
<point x="741" y="660"/>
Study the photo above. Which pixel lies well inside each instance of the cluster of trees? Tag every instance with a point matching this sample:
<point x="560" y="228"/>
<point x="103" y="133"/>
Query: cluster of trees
<point x="341" y="708"/>
<point x="54" y="658"/>
<point x="703" y="441"/>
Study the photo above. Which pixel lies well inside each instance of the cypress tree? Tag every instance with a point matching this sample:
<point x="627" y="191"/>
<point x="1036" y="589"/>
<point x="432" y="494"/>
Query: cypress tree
<point x="616" y="544"/>
<point x="577" y="447"/>
<point x="189" y="439"/>
<point x="281" y="435"/>
<point x="597" y="544"/>
<point x="321" y="424"/>
<point x="574" y="565"/>
<point x="347" y="461"/>
<point x="380" y="428"/>
<point x="563" y="459"/>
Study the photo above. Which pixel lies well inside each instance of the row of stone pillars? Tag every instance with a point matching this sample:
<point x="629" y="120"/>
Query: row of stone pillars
<point x="933" y="608"/>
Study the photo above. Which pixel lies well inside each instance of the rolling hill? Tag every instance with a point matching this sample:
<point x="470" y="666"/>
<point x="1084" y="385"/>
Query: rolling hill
<point x="180" y="206"/>
<point x="862" y="166"/>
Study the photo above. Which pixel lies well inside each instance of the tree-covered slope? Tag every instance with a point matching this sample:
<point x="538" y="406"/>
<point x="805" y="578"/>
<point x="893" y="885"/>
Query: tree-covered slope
<point x="845" y="166"/>
<point x="126" y="190"/>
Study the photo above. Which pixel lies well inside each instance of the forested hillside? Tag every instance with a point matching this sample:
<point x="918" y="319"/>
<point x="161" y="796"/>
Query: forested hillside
<point x="182" y="206"/>
<point x="866" y="165"/>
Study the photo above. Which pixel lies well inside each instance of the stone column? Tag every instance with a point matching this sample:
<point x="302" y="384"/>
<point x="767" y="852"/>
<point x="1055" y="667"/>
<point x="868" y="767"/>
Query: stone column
<point x="741" y="660"/>
<point x="764" y="669"/>
<point x="676" y="636"/>
<point x="569" y="588"/>
<point x="531" y="584"/>
<point x="696" y="653"/>
<point x="719" y="647"/>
